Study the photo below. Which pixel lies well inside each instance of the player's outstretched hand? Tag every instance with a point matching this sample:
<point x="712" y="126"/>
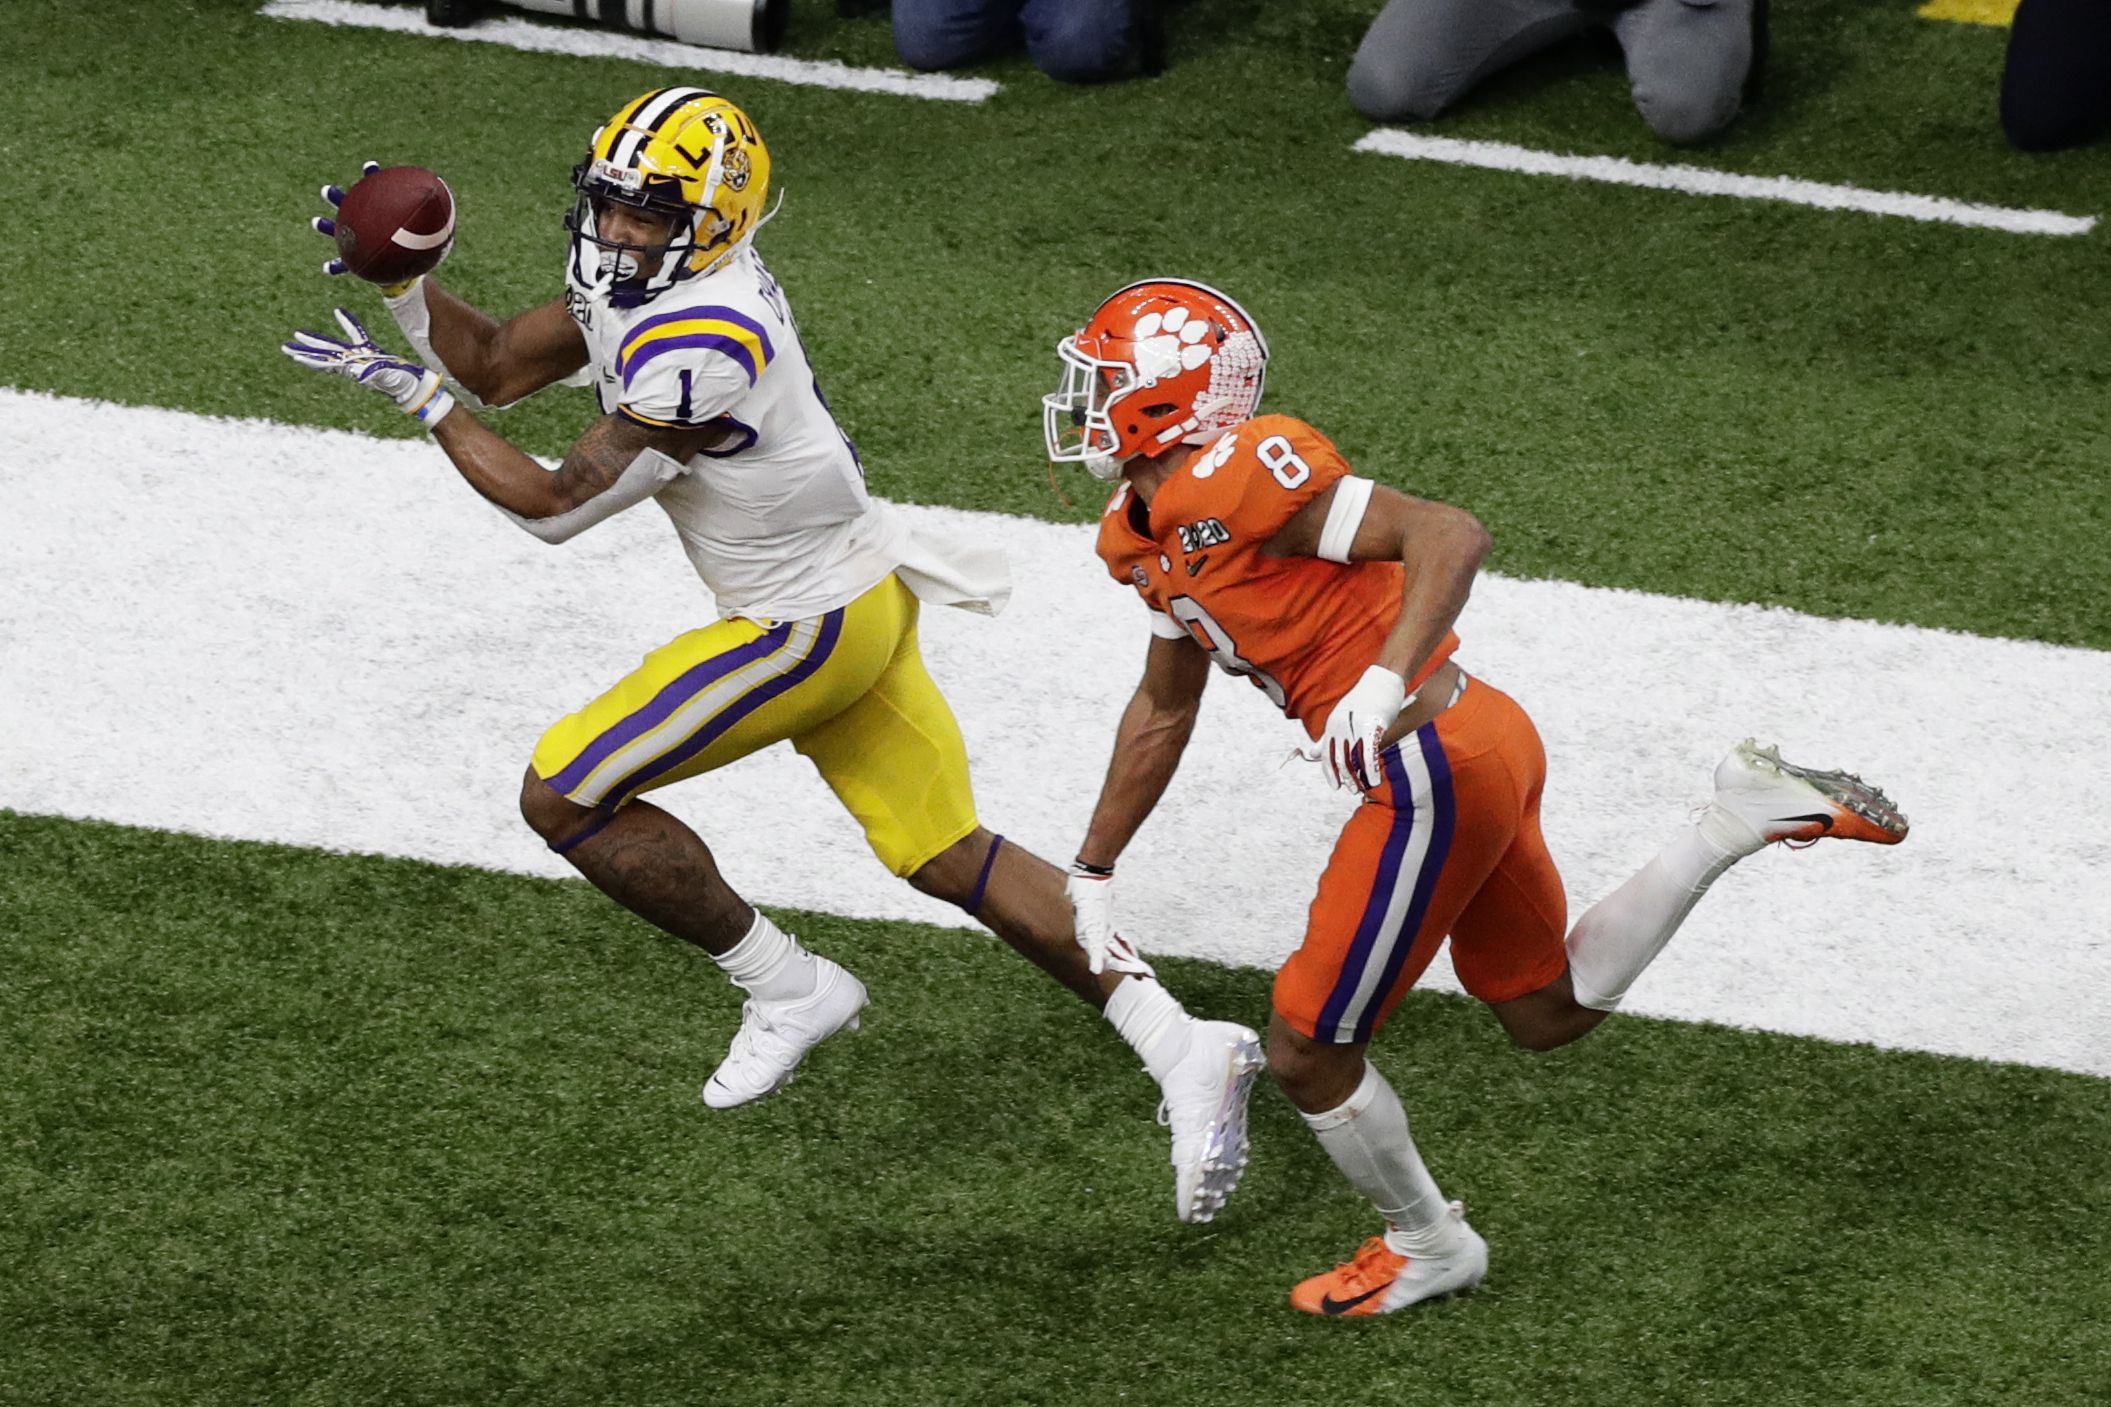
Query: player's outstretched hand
<point x="1091" y="894"/>
<point x="1356" y="729"/>
<point x="415" y="389"/>
<point x="323" y="225"/>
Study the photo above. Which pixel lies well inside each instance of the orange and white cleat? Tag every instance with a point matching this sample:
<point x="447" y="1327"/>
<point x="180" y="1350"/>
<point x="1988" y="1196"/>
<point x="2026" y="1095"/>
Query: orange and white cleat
<point x="1779" y="800"/>
<point x="1380" y="1280"/>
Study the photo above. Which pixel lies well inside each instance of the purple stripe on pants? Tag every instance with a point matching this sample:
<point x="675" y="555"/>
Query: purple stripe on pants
<point x="1443" y="813"/>
<point x="1381" y="899"/>
<point x="824" y="645"/>
<point x="662" y="705"/>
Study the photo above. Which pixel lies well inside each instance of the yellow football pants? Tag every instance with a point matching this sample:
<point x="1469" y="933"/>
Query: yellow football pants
<point x="849" y="689"/>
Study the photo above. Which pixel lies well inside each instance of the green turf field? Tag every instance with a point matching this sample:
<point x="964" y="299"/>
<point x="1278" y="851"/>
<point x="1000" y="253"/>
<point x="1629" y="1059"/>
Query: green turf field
<point x="1852" y="415"/>
<point x="292" y="1128"/>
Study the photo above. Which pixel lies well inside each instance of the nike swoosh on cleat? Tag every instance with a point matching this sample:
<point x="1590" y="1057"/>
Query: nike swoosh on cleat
<point x="1330" y="1305"/>
<point x="1823" y="819"/>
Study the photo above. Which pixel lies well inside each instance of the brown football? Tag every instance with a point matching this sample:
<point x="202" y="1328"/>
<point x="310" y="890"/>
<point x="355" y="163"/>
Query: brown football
<point x="395" y="224"/>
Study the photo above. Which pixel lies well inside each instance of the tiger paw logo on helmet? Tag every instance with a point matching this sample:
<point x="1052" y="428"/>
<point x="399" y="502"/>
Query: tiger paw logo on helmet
<point x="687" y="155"/>
<point x="1169" y="343"/>
<point x="1162" y="363"/>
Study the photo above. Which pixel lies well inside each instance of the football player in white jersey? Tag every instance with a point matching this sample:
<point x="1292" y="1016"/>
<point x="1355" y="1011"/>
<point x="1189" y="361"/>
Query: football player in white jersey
<point x="710" y="409"/>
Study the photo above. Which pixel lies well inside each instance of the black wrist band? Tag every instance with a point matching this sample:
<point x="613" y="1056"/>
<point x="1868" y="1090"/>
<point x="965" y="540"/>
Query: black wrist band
<point x="1096" y="871"/>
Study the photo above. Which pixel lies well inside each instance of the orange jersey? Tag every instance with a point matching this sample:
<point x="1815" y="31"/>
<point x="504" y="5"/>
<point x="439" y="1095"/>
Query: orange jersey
<point x="1303" y="629"/>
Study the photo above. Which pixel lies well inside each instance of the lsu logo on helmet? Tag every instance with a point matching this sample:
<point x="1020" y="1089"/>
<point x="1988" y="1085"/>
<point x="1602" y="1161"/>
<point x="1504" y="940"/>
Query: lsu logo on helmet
<point x="684" y="153"/>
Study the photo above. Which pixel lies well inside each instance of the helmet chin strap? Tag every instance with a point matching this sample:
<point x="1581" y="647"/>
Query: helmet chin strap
<point x="715" y="172"/>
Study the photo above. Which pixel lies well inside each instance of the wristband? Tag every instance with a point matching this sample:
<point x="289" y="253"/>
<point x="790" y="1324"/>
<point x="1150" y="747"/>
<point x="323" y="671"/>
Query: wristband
<point x="433" y="408"/>
<point x="1079" y="867"/>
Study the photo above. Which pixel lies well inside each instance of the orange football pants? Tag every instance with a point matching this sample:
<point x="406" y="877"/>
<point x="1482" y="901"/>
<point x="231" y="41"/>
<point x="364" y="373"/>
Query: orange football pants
<point x="1450" y="844"/>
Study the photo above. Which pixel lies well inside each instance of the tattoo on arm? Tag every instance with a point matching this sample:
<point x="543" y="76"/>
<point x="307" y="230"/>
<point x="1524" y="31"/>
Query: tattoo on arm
<point x="601" y="455"/>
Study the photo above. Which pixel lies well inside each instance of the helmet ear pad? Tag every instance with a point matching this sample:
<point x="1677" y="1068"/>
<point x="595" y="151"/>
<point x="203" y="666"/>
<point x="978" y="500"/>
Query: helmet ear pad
<point x="1150" y="414"/>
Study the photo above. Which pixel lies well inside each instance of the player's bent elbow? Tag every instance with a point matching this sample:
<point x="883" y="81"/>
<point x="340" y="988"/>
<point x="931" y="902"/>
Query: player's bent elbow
<point x="1460" y="539"/>
<point x="499" y="391"/>
<point x="553" y="530"/>
<point x="552" y="520"/>
<point x="486" y="391"/>
<point x="1474" y="538"/>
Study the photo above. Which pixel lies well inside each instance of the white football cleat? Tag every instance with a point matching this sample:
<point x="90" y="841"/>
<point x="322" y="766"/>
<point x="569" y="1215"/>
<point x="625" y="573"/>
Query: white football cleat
<point x="775" y="1036"/>
<point x="1380" y="1280"/>
<point x="1779" y="800"/>
<point x="1205" y="1107"/>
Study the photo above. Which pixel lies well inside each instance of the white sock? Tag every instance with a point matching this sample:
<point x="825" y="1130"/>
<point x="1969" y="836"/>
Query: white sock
<point x="1369" y="1140"/>
<point x="1152" y="1021"/>
<point x="769" y="963"/>
<point x="1622" y="933"/>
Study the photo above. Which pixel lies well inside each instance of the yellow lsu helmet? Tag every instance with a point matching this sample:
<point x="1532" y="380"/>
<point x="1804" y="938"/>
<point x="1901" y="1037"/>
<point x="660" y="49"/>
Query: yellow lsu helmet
<point x="682" y="152"/>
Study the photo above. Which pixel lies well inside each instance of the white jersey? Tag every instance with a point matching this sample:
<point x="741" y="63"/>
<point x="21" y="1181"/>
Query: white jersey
<point x="774" y="517"/>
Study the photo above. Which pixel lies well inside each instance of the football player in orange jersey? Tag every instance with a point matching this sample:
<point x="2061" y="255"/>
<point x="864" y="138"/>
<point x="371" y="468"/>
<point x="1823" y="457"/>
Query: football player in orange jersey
<point x="1255" y="547"/>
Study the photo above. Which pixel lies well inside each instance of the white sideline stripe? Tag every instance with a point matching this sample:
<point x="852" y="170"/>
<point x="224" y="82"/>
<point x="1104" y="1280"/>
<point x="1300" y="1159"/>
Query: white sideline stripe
<point x="250" y="630"/>
<point x="667" y="53"/>
<point x="1695" y="180"/>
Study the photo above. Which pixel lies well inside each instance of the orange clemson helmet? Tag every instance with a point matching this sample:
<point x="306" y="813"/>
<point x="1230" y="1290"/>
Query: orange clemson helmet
<point x="1163" y="362"/>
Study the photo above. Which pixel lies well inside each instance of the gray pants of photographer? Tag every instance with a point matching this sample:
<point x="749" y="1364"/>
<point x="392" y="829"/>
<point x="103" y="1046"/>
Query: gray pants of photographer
<point x="1686" y="59"/>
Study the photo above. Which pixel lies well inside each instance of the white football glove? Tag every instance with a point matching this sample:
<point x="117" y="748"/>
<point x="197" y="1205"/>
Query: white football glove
<point x="1348" y="749"/>
<point x="1092" y="899"/>
<point x="416" y="390"/>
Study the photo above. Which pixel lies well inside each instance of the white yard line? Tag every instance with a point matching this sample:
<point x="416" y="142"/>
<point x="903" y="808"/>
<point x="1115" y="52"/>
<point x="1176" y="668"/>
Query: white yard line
<point x="248" y="630"/>
<point x="1694" y="180"/>
<point x="516" y="33"/>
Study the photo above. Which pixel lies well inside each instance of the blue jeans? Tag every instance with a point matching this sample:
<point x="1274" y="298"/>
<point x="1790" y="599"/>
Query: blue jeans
<point x="1077" y="41"/>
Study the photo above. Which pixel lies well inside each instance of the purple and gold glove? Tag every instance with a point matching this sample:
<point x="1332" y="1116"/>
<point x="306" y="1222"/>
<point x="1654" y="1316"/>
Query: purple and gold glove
<point x="327" y="227"/>
<point x="334" y="197"/>
<point x="416" y="390"/>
